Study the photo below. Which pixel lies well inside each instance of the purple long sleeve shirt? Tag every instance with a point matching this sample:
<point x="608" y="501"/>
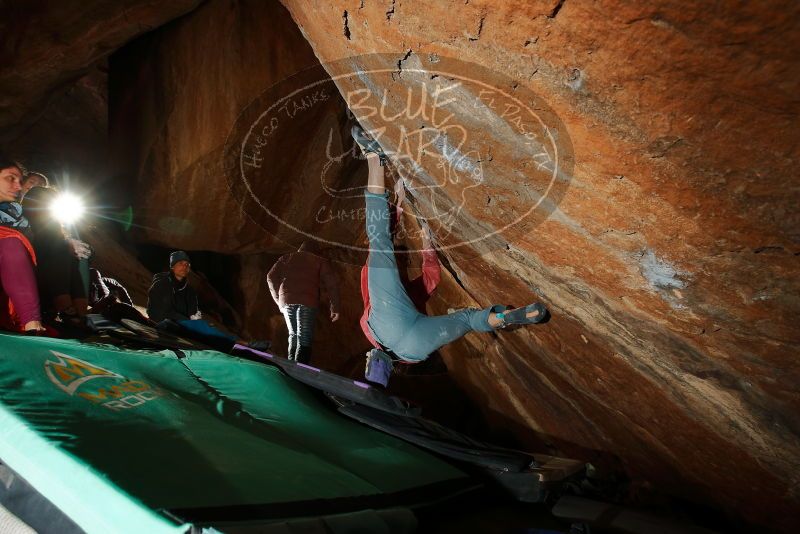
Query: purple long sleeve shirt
<point x="19" y="280"/>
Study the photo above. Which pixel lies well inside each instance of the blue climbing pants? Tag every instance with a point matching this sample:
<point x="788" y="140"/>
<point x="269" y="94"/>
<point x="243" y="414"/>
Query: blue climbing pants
<point x="205" y="330"/>
<point x="393" y="319"/>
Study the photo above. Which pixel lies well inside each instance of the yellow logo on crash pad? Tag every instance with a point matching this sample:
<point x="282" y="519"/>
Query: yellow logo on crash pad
<point x="68" y="372"/>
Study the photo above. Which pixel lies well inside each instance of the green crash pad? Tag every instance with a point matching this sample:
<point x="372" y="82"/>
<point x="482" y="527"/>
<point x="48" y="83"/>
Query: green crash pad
<point x="111" y="435"/>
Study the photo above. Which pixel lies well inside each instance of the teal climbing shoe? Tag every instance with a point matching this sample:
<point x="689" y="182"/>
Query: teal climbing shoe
<point x="519" y="316"/>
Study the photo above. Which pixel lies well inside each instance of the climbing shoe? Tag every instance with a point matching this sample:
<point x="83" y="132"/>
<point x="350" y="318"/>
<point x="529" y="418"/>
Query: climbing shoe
<point x="379" y="367"/>
<point x="366" y="143"/>
<point x="521" y="315"/>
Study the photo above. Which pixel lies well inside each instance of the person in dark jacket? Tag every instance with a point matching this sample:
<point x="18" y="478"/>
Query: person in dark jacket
<point x="61" y="288"/>
<point x="295" y="282"/>
<point x="171" y="298"/>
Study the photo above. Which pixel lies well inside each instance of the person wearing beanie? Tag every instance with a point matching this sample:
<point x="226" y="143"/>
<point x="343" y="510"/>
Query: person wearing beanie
<point x="171" y="298"/>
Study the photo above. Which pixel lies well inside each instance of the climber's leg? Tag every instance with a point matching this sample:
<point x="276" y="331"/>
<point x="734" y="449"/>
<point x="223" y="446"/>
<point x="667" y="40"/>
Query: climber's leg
<point x="430" y="333"/>
<point x="392" y="312"/>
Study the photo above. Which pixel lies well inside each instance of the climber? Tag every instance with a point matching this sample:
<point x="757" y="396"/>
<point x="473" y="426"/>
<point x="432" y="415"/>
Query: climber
<point x="19" y="296"/>
<point x="171" y="300"/>
<point x="402" y="331"/>
<point x="294" y="283"/>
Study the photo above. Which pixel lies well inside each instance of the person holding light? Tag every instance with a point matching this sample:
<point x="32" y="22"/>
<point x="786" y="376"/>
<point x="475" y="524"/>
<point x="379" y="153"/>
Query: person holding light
<point x="61" y="286"/>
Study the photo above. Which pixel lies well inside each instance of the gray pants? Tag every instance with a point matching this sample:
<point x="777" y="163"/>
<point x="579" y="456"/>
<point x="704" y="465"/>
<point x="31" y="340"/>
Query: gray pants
<point x="394" y="320"/>
<point x="300" y="322"/>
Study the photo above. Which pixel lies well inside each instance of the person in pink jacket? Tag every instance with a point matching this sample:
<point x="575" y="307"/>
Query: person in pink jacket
<point x="295" y="282"/>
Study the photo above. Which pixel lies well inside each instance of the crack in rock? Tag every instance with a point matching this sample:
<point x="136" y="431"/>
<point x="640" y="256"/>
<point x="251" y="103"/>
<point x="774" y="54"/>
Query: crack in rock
<point x="480" y="29"/>
<point x="400" y="62"/>
<point x="556" y="9"/>
<point x="346" y="30"/>
<point x="662" y="145"/>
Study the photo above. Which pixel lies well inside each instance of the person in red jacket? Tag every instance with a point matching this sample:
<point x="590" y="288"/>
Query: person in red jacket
<point x="295" y="282"/>
<point x="19" y="295"/>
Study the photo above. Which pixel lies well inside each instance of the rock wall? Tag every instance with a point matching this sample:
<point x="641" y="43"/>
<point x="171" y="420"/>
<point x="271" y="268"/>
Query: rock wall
<point x="46" y="46"/>
<point x="68" y="141"/>
<point x="669" y="257"/>
<point x="670" y="264"/>
<point x="175" y="96"/>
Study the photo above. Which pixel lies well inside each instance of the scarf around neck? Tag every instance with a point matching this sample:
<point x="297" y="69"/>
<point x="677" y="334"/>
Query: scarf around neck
<point x="12" y="217"/>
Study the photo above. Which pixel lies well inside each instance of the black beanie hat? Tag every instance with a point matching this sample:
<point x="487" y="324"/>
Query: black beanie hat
<point x="177" y="256"/>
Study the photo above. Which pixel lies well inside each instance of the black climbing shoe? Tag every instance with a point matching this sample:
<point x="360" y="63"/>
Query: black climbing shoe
<point x="520" y="315"/>
<point x="366" y="143"/>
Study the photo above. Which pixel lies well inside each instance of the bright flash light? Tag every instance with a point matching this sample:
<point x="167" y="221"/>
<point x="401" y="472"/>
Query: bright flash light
<point x="67" y="208"/>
